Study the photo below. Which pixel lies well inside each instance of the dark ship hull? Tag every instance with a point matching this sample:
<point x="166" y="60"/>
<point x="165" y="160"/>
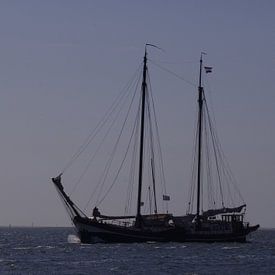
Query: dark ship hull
<point x="90" y="231"/>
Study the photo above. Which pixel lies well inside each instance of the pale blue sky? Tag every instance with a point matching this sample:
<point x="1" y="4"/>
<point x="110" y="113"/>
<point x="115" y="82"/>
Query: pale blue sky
<point x="63" y="62"/>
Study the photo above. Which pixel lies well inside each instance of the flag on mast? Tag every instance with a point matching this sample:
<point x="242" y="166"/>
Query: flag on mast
<point x="208" y="69"/>
<point x="166" y="198"/>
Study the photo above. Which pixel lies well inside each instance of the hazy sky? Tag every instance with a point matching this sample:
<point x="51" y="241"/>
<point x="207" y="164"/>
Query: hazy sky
<point x="63" y="62"/>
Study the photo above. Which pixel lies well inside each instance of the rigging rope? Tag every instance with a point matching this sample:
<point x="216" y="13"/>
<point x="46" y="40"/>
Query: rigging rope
<point x="228" y="175"/>
<point x="100" y="124"/>
<point x="222" y="169"/>
<point x="172" y="73"/>
<point x="208" y="162"/>
<point x="133" y="163"/>
<point x="161" y="163"/>
<point x="101" y="143"/>
<point x="194" y="169"/>
<point x="109" y="163"/>
<point x="225" y="168"/>
<point x="121" y="165"/>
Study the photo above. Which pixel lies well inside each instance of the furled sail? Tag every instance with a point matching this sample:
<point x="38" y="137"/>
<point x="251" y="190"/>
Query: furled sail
<point x="213" y="212"/>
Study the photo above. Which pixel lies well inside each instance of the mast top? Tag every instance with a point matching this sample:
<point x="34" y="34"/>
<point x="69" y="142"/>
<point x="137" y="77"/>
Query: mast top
<point x="152" y="45"/>
<point x="202" y="53"/>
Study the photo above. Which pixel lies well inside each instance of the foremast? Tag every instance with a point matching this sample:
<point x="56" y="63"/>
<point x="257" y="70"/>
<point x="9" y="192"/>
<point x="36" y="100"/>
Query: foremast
<point x="141" y="149"/>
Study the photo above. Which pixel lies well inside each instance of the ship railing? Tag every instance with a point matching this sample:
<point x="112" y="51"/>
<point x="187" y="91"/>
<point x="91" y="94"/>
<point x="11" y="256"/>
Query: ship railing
<point x="118" y="222"/>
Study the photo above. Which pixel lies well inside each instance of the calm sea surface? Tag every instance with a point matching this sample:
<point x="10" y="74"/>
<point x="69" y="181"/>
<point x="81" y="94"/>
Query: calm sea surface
<point x="57" y="251"/>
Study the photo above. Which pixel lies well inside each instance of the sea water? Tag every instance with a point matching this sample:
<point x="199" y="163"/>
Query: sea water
<point x="58" y="251"/>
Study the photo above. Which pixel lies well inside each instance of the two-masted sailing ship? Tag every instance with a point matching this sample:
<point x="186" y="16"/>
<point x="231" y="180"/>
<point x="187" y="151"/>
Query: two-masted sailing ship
<point x="218" y="222"/>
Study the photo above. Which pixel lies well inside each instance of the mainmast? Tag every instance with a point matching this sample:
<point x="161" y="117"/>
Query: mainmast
<point x="200" y="101"/>
<point x="144" y="89"/>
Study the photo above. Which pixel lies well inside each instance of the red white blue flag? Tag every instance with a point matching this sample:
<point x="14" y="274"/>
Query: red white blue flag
<point x="208" y="69"/>
<point x="166" y="198"/>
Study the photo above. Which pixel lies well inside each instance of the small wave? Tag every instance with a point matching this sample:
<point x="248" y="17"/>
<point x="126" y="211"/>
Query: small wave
<point x="41" y="246"/>
<point x="242" y="256"/>
<point x="49" y="246"/>
<point x="23" y="248"/>
<point x="230" y="247"/>
<point x="85" y="245"/>
<point x="114" y="268"/>
<point x="73" y="239"/>
<point x="33" y="247"/>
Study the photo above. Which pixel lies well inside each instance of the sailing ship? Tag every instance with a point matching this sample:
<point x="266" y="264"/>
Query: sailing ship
<point x="217" y="224"/>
